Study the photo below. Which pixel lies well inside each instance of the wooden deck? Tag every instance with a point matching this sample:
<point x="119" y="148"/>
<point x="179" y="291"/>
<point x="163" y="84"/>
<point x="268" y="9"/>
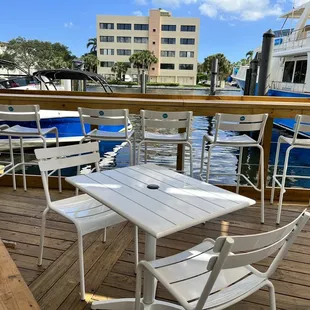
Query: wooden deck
<point x="109" y="266"/>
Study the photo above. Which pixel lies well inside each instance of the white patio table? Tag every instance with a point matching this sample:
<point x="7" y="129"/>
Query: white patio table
<point x="178" y="203"/>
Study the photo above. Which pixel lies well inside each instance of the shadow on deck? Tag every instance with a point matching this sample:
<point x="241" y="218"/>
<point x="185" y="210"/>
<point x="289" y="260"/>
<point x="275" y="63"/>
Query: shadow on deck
<point x="109" y="266"/>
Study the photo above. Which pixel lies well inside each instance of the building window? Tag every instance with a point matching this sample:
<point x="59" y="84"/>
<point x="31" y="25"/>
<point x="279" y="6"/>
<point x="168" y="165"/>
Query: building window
<point x="188" y="28"/>
<point x="123" y="52"/>
<point x="106" y="51"/>
<point x="140" y="40"/>
<point x="187" y="41"/>
<point x="300" y="71"/>
<point x="167" y="66"/>
<point x="167" y="54"/>
<point x="168" y="27"/>
<point x="124" y="26"/>
<point x="106" y="64"/>
<point x="137" y="51"/>
<point x="124" y="39"/>
<point x="141" y="27"/>
<point x="288" y="71"/>
<point x="186" y="67"/>
<point x="167" y="40"/>
<point x="106" y="39"/>
<point x="186" y="54"/>
<point x="106" y="25"/>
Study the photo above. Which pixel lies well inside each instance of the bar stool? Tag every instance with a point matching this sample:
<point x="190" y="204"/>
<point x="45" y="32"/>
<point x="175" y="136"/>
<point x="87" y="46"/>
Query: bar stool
<point x="108" y="118"/>
<point x="166" y="120"/>
<point x="237" y="123"/>
<point x="23" y="113"/>
<point x="302" y="125"/>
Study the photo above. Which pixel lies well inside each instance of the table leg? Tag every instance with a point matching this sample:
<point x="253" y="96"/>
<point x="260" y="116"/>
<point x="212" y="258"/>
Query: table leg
<point x="149" y="285"/>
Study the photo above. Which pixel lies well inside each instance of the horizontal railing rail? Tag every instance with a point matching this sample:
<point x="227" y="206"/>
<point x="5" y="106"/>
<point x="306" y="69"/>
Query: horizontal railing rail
<point x="276" y="107"/>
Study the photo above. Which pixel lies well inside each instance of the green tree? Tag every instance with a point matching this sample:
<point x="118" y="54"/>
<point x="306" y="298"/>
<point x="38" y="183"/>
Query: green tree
<point x="92" y="44"/>
<point x="120" y="69"/>
<point x="249" y="56"/>
<point x="224" y="65"/>
<point x="90" y="61"/>
<point x="7" y="57"/>
<point x="39" y="54"/>
<point x="143" y="60"/>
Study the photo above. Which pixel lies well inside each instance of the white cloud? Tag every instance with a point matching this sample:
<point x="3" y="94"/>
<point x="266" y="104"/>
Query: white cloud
<point x="68" y="25"/>
<point x="249" y="10"/>
<point x="137" y="13"/>
<point x="172" y="3"/>
<point x="299" y="2"/>
<point x="141" y="2"/>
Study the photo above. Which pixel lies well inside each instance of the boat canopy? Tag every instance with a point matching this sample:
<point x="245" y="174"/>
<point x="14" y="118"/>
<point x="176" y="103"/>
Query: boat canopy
<point x="296" y="12"/>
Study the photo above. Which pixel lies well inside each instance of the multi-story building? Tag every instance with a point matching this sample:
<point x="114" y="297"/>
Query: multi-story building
<point x="174" y="41"/>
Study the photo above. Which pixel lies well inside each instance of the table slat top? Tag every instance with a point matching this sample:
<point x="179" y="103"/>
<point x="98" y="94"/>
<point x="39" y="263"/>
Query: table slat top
<point x="180" y="201"/>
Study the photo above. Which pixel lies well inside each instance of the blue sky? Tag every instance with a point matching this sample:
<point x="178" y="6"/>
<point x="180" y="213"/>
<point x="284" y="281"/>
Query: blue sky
<point x="232" y="27"/>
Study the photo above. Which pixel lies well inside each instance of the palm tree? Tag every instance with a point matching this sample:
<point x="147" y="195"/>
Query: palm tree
<point x="120" y="69"/>
<point x="249" y="56"/>
<point x="143" y="60"/>
<point x="92" y="44"/>
<point x="91" y="62"/>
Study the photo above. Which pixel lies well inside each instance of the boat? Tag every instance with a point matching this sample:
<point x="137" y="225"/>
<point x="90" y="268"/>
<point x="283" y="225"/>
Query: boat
<point x="67" y="122"/>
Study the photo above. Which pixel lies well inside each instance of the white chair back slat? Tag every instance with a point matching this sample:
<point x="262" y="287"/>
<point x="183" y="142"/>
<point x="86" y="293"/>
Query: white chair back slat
<point x="240" y="127"/>
<point x="166" y="124"/>
<point x="302" y="124"/>
<point x="69" y="150"/>
<point x="68" y="162"/>
<point x="302" y="128"/>
<point x="240" y="123"/>
<point x="305" y="118"/>
<point x="257" y="241"/>
<point x="20" y="113"/>
<point x="104" y="117"/>
<point x="165" y="115"/>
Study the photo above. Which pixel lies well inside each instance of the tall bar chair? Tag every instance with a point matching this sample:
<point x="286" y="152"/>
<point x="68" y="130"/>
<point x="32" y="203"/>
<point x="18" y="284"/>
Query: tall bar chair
<point x="301" y="126"/>
<point x="237" y="123"/>
<point x="23" y="113"/>
<point x="166" y="120"/>
<point x="112" y="117"/>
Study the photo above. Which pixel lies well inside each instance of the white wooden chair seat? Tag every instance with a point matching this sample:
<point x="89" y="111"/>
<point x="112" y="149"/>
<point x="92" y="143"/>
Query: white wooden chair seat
<point x="86" y="212"/>
<point x="167" y="137"/>
<point x="106" y="135"/>
<point x="297" y="141"/>
<point x="218" y="274"/>
<point x="242" y="139"/>
<point x="21" y="130"/>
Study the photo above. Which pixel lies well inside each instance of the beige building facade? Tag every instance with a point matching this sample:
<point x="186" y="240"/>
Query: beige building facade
<point x="173" y="40"/>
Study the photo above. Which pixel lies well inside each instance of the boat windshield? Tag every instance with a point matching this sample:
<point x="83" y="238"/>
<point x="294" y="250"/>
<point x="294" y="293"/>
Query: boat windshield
<point x="18" y="82"/>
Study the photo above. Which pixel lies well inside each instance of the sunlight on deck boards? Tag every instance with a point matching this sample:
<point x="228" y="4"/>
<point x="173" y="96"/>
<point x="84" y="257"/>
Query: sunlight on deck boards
<point x="109" y="266"/>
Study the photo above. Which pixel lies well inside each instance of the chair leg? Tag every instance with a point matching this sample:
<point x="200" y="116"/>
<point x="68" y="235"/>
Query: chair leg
<point x="23" y="163"/>
<point x="104" y="235"/>
<point x="138" y="287"/>
<point x="262" y="184"/>
<point x="42" y="233"/>
<point x="275" y="169"/>
<point x="131" y="160"/>
<point x="59" y="171"/>
<point x="287" y="155"/>
<point x="191" y="159"/>
<point x="239" y="169"/>
<point x="202" y="155"/>
<point x="145" y="152"/>
<point x="272" y="296"/>
<point x="136" y="242"/>
<point x="81" y="265"/>
<point x="209" y="163"/>
<point x="13" y="163"/>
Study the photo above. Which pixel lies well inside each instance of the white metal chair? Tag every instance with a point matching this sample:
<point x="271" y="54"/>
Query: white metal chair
<point x="87" y="214"/>
<point x="237" y="123"/>
<point x="218" y="274"/>
<point x="166" y="120"/>
<point x="114" y="117"/>
<point x="23" y="113"/>
<point x="302" y="125"/>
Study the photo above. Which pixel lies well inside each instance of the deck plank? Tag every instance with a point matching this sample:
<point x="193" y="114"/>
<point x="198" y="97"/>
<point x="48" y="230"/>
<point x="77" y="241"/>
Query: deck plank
<point x="110" y="266"/>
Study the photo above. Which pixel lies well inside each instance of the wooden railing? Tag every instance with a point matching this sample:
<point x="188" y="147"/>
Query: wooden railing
<point x="276" y="107"/>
